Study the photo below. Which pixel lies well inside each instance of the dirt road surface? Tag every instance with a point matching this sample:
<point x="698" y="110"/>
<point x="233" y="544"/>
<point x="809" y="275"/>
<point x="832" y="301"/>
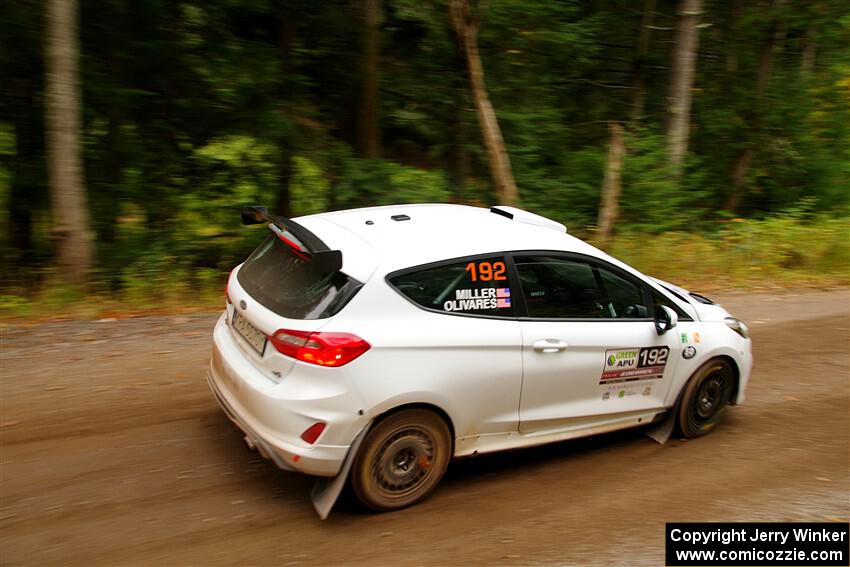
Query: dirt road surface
<point x="115" y="453"/>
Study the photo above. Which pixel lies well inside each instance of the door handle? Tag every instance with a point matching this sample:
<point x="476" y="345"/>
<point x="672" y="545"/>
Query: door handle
<point x="549" y="345"/>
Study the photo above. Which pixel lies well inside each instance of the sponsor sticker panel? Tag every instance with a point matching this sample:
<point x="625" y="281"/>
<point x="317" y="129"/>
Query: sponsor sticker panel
<point x="639" y="363"/>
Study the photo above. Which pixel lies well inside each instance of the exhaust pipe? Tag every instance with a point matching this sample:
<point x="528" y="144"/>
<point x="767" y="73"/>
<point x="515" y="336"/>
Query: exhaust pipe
<point x="252" y="445"/>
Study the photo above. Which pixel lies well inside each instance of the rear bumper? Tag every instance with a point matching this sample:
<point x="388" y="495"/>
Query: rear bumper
<point x="280" y="458"/>
<point x="272" y="419"/>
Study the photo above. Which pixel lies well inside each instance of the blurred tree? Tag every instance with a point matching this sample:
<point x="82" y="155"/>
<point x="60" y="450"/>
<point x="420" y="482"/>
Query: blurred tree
<point x="70" y="214"/>
<point x="640" y="60"/>
<point x="465" y="26"/>
<point x="286" y="147"/>
<point x="682" y="81"/>
<point x="22" y="105"/>
<point x="369" y="124"/>
<point x="611" y="187"/>
<point x="773" y="45"/>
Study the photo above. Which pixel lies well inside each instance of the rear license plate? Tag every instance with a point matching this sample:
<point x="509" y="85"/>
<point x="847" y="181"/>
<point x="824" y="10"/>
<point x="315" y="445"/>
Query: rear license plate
<point x="252" y="335"/>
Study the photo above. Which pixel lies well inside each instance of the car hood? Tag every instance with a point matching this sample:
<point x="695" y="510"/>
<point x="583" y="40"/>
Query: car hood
<point x="705" y="311"/>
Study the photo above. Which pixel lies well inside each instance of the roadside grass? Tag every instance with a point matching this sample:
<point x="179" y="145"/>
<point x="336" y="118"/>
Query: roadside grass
<point x="57" y="303"/>
<point x="775" y="253"/>
<point x="163" y="292"/>
<point x="778" y="253"/>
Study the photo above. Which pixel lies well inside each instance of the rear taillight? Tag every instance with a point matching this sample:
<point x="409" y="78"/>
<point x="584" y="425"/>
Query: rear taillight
<point x="323" y="349"/>
<point x="227" y="288"/>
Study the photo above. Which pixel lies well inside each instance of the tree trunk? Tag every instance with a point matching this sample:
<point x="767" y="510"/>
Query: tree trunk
<point x="732" y="33"/>
<point x="459" y="157"/>
<point x="283" y="206"/>
<point x="26" y="182"/>
<point x="739" y="173"/>
<point x="638" y="72"/>
<point x="284" y="198"/>
<point x="807" y="61"/>
<point x="682" y="82"/>
<point x="460" y="161"/>
<point x="106" y="213"/>
<point x="611" y="185"/>
<point x="368" y="131"/>
<point x="74" y="247"/>
<point x="466" y="33"/>
<point x="22" y="190"/>
<point x="775" y="43"/>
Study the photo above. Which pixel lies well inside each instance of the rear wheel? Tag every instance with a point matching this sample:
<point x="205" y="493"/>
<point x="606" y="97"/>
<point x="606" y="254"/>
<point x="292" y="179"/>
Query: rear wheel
<point x="401" y="460"/>
<point x="706" y="396"/>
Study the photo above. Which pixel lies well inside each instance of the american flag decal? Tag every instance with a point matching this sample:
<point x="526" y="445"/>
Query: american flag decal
<point x="503" y="302"/>
<point x="503" y="292"/>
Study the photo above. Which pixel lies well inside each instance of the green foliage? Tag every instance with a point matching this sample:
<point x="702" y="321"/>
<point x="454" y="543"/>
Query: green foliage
<point x="653" y="200"/>
<point x="15" y="305"/>
<point x="309" y="188"/>
<point x="193" y="109"/>
<point x="379" y="182"/>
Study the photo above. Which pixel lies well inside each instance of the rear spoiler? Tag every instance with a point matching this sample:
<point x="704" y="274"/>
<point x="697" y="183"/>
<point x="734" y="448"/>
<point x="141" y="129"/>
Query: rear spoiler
<point x="307" y="245"/>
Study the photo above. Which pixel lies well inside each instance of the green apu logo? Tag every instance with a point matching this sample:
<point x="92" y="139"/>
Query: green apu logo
<point x="622" y="358"/>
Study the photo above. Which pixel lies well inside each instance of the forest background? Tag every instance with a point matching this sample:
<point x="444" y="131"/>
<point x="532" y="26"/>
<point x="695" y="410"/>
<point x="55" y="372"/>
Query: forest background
<point x="703" y="141"/>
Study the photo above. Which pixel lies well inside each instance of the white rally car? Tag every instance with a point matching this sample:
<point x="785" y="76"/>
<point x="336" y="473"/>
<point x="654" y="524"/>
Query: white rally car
<point x="373" y="345"/>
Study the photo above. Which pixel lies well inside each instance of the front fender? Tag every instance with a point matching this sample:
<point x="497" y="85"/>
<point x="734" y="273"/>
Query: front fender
<point x="740" y="355"/>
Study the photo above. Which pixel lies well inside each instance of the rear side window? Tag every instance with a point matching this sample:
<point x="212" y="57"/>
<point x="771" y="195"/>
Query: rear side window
<point x="474" y="287"/>
<point x="561" y="288"/>
<point x="284" y="282"/>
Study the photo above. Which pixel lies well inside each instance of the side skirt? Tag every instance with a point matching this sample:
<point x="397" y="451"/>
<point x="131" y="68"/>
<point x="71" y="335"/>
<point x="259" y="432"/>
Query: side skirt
<point x="480" y="444"/>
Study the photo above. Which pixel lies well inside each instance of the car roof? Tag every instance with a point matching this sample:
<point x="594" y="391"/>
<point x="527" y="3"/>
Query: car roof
<point x="433" y="232"/>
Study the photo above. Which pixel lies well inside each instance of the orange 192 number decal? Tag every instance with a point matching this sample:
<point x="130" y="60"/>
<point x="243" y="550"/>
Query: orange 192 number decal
<point x="486" y="271"/>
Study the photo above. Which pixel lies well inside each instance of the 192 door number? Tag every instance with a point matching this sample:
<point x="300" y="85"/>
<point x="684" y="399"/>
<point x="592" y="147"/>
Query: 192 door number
<point x="653" y="356"/>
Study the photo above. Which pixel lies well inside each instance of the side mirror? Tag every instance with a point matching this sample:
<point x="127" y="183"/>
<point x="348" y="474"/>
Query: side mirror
<point x="665" y="319"/>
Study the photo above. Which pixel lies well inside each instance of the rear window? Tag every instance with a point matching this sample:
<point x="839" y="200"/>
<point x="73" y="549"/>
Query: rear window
<point x="283" y="282"/>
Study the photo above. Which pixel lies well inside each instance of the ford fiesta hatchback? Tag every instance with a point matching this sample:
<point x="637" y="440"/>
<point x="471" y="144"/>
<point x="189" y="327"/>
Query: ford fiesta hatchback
<point x="374" y="345"/>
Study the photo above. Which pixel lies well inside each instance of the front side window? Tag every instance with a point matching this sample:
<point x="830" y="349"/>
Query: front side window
<point x="561" y="288"/>
<point x="475" y="287"/>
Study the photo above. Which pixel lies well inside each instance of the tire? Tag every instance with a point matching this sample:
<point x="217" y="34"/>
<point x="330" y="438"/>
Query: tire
<point x="401" y="460"/>
<point x="705" y="397"/>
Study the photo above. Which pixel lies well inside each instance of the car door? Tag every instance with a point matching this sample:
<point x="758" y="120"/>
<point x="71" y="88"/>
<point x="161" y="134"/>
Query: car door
<point x="464" y="348"/>
<point x="590" y="347"/>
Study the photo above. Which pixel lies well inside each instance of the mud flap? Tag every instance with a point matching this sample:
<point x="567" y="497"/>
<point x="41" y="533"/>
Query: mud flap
<point x="326" y="490"/>
<point x="662" y="431"/>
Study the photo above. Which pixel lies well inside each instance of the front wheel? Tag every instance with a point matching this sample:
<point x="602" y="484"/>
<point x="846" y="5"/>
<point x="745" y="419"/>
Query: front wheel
<point x="706" y="396"/>
<point x="401" y="460"/>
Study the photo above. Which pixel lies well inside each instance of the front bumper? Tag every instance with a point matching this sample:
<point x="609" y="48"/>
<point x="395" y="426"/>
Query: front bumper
<point x="745" y="370"/>
<point x="273" y="415"/>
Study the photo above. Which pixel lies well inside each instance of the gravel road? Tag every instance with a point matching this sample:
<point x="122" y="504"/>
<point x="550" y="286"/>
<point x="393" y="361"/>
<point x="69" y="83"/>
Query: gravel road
<point x="115" y="453"/>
